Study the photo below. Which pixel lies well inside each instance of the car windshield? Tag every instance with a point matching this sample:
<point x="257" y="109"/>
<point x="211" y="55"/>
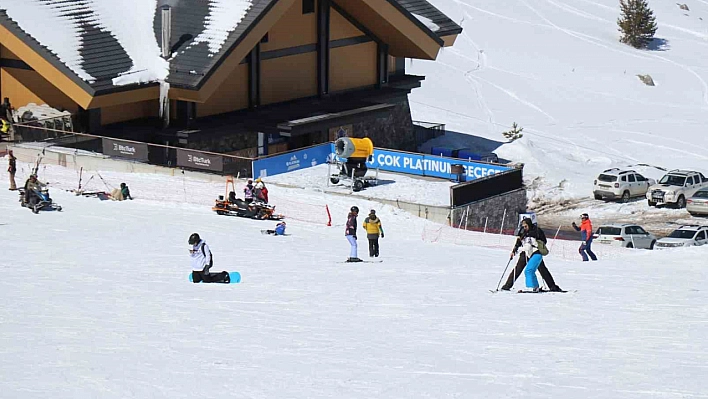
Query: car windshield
<point x="673" y="180"/>
<point x="607" y="178"/>
<point x="701" y="194"/>
<point x="682" y="234"/>
<point x="609" y="231"/>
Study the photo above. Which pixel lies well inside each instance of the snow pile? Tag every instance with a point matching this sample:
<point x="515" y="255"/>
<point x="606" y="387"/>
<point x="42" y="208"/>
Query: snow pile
<point x="224" y="16"/>
<point x="54" y="25"/>
<point x="427" y="22"/>
<point x="557" y="68"/>
<point x="131" y="23"/>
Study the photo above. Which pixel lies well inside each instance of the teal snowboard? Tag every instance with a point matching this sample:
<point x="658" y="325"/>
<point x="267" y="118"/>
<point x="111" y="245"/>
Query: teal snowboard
<point x="234" y="278"/>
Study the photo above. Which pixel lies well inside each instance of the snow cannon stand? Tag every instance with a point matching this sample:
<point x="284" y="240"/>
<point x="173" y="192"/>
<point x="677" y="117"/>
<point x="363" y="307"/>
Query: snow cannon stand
<point x="350" y="159"/>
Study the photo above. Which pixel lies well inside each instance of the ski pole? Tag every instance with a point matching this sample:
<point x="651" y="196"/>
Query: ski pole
<point x="503" y="274"/>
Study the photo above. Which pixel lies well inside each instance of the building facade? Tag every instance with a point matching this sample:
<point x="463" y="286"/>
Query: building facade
<point x="270" y="76"/>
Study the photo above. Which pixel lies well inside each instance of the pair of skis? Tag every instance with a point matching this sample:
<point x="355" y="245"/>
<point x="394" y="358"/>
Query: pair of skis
<point x="529" y="291"/>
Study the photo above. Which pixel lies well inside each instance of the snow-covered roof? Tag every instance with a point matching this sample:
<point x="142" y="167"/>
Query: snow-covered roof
<point x="108" y="43"/>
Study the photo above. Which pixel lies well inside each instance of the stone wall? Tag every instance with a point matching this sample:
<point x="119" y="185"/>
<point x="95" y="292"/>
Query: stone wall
<point x="492" y="211"/>
<point x="394" y="131"/>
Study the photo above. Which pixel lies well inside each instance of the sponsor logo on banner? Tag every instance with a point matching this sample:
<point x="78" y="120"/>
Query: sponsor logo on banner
<point x="293" y="163"/>
<point x="194" y="159"/>
<point x="427" y="165"/>
<point x="117" y="148"/>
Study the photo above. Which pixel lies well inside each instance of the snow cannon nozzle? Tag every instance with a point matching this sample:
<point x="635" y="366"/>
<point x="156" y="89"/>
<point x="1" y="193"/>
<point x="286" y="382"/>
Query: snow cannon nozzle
<point x="350" y="148"/>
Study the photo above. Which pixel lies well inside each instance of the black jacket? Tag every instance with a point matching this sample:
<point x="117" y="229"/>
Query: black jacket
<point x="534" y="231"/>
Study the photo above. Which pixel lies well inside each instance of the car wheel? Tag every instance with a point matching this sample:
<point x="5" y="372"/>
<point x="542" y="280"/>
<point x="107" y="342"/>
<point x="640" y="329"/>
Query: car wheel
<point x="629" y="245"/>
<point x="651" y="246"/>
<point x="651" y="203"/>
<point x="598" y="197"/>
<point x="681" y="203"/>
<point x="693" y="213"/>
<point x="625" y="197"/>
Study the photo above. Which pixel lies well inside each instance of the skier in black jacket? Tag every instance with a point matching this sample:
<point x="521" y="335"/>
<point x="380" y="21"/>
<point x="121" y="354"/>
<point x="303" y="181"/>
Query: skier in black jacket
<point x="537" y="233"/>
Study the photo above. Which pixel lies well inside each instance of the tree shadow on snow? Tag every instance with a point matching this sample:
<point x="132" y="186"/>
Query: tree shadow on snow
<point x="658" y="44"/>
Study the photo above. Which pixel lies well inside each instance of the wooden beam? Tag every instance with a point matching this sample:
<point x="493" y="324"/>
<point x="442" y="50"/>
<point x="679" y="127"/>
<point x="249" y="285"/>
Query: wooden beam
<point x="323" y="20"/>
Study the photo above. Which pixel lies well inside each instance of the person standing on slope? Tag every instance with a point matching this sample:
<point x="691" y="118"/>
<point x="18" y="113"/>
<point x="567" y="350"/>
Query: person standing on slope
<point x="585" y="230"/>
<point x="248" y="192"/>
<point x="373" y="228"/>
<point x="12" y="169"/>
<point x="350" y="233"/>
<point x="521" y="264"/>
<point x="202" y="261"/>
<point x="530" y="246"/>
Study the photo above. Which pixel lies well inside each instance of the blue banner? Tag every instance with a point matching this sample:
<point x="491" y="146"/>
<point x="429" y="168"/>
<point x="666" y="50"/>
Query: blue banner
<point x="291" y="161"/>
<point x="430" y="165"/>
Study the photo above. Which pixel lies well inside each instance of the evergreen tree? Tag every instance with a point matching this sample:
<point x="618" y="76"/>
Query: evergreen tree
<point x="514" y="133"/>
<point x="637" y="23"/>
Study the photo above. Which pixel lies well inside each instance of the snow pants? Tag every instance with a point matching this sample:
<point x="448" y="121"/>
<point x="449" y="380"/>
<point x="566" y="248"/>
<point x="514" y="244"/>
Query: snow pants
<point x="531" y="267"/>
<point x="353" y="250"/>
<point x="373" y="245"/>
<point x="586" y="248"/>
<point x="520" y="265"/>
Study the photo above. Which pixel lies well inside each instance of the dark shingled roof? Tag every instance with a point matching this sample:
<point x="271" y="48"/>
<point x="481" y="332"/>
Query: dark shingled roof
<point x="104" y="57"/>
<point x="427" y="10"/>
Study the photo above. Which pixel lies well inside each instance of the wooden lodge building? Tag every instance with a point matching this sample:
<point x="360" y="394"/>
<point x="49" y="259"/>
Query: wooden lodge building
<point x="272" y="76"/>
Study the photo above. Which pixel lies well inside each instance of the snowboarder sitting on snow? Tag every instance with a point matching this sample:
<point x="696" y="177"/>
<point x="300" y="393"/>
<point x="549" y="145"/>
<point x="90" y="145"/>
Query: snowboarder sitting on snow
<point x="202" y="261"/>
<point x="350" y="233"/>
<point x="248" y="191"/>
<point x="122" y="193"/>
<point x="373" y="228"/>
<point x="521" y="264"/>
<point x="279" y="229"/>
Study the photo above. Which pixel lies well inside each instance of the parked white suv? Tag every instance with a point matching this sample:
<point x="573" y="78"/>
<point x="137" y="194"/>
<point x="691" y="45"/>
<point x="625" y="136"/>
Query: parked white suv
<point x="675" y="187"/>
<point x="620" y="184"/>
<point x="624" y="235"/>
<point x="684" y="236"/>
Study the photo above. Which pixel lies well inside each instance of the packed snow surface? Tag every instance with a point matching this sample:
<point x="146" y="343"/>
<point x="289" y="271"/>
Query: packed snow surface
<point x="96" y="303"/>
<point x="557" y="68"/>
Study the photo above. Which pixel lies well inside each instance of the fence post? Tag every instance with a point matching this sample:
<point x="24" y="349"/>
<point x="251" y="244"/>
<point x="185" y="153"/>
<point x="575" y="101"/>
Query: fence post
<point x="501" y="229"/>
<point x="554" y="238"/>
<point x="485" y="224"/>
<point x="467" y="217"/>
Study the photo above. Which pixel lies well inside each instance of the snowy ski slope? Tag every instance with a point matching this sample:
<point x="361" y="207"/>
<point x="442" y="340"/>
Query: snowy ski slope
<point x="96" y="304"/>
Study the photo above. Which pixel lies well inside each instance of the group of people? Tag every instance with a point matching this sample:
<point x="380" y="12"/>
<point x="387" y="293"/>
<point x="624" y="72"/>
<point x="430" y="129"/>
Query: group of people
<point x="255" y="192"/>
<point x="373" y="228"/>
<point x="532" y="241"/>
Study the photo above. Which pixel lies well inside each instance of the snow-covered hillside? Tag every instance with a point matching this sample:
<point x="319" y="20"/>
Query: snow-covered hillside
<point x="96" y="303"/>
<point x="557" y="68"/>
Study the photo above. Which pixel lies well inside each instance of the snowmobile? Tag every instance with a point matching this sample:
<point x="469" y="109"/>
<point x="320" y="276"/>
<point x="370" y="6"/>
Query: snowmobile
<point x="39" y="201"/>
<point x="233" y="206"/>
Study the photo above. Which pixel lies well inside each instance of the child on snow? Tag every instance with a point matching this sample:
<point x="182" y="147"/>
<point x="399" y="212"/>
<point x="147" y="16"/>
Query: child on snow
<point x="530" y="246"/>
<point x="279" y="229"/>
<point x="248" y="191"/>
<point x="350" y="233"/>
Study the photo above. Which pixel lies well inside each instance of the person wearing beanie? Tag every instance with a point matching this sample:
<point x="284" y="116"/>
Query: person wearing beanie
<point x="372" y="225"/>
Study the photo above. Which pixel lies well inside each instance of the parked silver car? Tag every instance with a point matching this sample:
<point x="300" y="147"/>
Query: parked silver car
<point x="698" y="203"/>
<point x="624" y="235"/>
